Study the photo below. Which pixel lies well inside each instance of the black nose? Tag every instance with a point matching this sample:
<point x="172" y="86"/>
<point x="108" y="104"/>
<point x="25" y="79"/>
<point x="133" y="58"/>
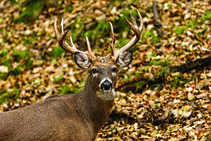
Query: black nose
<point x="106" y="85"/>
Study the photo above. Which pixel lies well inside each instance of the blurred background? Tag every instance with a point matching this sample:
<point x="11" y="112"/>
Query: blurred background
<point x="163" y="95"/>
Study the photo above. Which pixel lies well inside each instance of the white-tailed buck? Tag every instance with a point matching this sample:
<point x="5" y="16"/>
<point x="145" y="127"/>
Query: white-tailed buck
<point x="79" y="116"/>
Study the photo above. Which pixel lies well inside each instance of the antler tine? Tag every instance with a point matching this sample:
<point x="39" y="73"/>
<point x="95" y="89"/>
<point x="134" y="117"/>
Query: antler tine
<point x="62" y="28"/>
<point x="137" y="30"/>
<point x="112" y="44"/>
<point x="61" y="39"/>
<point x="56" y="30"/>
<point x="90" y="54"/>
<point x="71" y="41"/>
<point x="133" y="20"/>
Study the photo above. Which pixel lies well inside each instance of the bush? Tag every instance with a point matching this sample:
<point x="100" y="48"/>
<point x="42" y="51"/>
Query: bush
<point x="31" y="9"/>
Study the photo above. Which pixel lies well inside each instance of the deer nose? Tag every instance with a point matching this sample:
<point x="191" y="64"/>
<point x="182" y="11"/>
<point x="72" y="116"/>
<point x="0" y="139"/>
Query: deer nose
<point x="106" y="85"/>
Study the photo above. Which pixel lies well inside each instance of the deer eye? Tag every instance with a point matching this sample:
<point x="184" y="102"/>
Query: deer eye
<point x="94" y="71"/>
<point x="114" y="69"/>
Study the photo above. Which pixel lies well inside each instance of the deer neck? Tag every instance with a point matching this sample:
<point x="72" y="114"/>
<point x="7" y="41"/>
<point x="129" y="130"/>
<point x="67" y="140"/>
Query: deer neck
<point x="94" y="108"/>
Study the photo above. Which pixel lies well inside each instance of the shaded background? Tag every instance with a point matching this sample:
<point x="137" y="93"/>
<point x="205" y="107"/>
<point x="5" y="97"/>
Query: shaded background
<point x="164" y="94"/>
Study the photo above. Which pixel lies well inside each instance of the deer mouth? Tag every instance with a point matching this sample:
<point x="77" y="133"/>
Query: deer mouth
<point x="106" y="91"/>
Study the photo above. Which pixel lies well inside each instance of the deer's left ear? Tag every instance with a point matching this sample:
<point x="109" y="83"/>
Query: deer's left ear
<point x="82" y="60"/>
<point x="125" y="59"/>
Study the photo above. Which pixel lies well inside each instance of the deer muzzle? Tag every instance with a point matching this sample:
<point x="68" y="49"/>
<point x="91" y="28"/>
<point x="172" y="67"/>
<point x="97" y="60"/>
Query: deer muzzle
<point x="106" y="85"/>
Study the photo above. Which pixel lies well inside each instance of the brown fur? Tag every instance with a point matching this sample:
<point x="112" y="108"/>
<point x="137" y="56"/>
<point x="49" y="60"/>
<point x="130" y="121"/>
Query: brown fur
<point x="76" y="117"/>
<point x="59" y="117"/>
<point x="72" y="117"/>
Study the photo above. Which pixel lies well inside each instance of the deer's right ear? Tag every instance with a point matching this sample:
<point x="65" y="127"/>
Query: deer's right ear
<point x="82" y="60"/>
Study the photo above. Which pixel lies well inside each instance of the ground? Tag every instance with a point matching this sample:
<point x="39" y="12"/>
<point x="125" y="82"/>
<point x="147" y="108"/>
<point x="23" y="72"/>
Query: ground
<point x="163" y="95"/>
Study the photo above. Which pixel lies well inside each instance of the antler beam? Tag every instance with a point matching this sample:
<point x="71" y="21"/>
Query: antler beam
<point x="137" y="30"/>
<point x="63" y="44"/>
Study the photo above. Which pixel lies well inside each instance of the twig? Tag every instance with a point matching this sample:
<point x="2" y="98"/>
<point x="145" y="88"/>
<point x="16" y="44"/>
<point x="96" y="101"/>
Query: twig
<point x="157" y="21"/>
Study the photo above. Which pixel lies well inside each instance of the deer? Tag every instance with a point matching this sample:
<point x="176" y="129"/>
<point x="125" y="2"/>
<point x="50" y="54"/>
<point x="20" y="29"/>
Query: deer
<point x="79" y="116"/>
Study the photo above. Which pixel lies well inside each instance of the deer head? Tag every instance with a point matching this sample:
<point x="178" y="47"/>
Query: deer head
<point x="102" y="70"/>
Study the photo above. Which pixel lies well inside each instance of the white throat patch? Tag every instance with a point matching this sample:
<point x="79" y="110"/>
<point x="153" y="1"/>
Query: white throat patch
<point x="106" y="95"/>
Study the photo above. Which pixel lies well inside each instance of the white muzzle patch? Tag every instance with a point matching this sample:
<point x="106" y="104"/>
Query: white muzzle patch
<point x="106" y="85"/>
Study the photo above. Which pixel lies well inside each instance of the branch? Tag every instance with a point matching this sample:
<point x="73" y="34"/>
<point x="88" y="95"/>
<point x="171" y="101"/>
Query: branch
<point x="191" y="65"/>
<point x="130" y="85"/>
<point x="157" y="21"/>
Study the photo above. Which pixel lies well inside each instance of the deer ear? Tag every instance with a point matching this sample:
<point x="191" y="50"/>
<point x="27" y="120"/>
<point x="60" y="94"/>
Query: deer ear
<point x="125" y="59"/>
<point x="82" y="60"/>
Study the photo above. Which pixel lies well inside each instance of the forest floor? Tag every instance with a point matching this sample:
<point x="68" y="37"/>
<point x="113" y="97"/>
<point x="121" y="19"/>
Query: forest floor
<point x="164" y="94"/>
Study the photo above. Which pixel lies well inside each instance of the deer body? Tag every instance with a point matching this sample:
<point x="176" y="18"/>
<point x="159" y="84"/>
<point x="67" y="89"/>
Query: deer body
<point x="59" y="117"/>
<point x="79" y="116"/>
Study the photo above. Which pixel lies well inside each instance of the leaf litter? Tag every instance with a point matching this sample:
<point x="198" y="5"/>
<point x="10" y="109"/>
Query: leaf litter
<point x="163" y="95"/>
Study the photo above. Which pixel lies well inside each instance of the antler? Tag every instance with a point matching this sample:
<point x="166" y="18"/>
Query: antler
<point x="63" y="44"/>
<point x="112" y="44"/>
<point x="137" y="30"/>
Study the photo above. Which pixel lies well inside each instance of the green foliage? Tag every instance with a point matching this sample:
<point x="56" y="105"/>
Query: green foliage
<point x="156" y="39"/>
<point x="163" y="62"/>
<point x="68" y="9"/>
<point x="102" y="29"/>
<point x="3" y="52"/>
<point x="2" y="98"/>
<point x="7" y="95"/>
<point x="19" y="55"/>
<point x="122" y="42"/>
<point x="112" y="1"/>
<point x="122" y="27"/>
<point x="148" y="33"/>
<point x="164" y="71"/>
<point x="76" y="28"/>
<point x="30" y="10"/>
<point x="192" y="24"/>
<point x="74" y="90"/>
<point x="64" y="90"/>
<point x="157" y="104"/>
<point x="36" y="82"/>
<point x="5" y="61"/>
<point x="178" y="81"/>
<point x="34" y="38"/>
<point x="23" y="57"/>
<point x="67" y="90"/>
<point x="17" y="70"/>
<point x="1" y="20"/>
<point x="180" y="29"/>
<point x="59" y="78"/>
<point x="177" y="53"/>
<point x="140" y="84"/>
<point x="207" y="16"/>
<point x="122" y="24"/>
<point x="3" y="76"/>
<point x="169" y="5"/>
<point x="5" y="36"/>
<point x="155" y="86"/>
<point x="12" y="1"/>
<point x="151" y="34"/>
<point x="57" y="52"/>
